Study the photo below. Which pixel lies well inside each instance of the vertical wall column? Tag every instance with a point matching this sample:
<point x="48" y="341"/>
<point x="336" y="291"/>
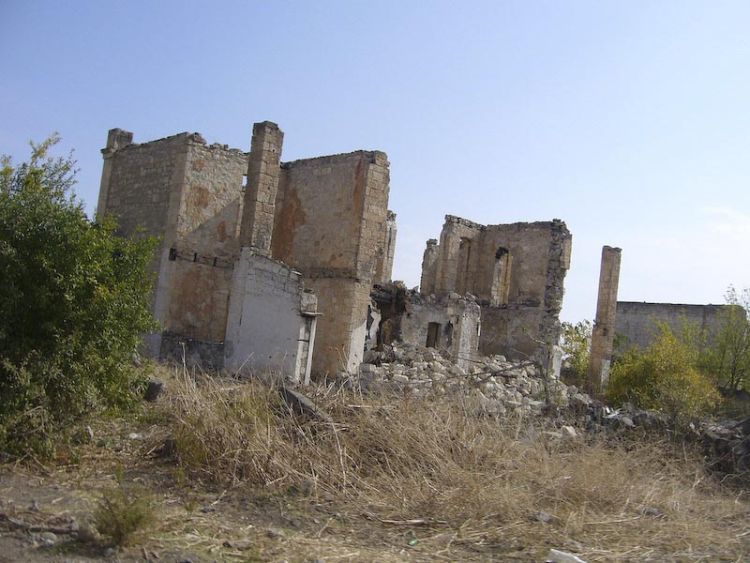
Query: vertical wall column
<point x="116" y="139"/>
<point x="603" y="335"/>
<point x="429" y="267"/>
<point x="384" y="268"/>
<point x="262" y="184"/>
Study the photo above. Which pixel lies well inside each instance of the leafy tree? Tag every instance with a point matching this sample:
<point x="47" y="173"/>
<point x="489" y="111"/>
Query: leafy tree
<point x="729" y="358"/>
<point x="665" y="377"/>
<point x="75" y="298"/>
<point x="576" y="345"/>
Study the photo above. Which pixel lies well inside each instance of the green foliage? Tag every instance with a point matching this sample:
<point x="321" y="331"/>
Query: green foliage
<point x="576" y="345"/>
<point x="74" y="302"/>
<point x="663" y="377"/>
<point x="729" y="359"/>
<point x="123" y="511"/>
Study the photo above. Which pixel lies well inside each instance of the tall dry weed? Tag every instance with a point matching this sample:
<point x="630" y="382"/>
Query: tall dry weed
<point x="401" y="458"/>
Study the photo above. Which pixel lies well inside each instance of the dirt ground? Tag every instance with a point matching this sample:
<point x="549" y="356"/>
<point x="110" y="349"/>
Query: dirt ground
<point x="46" y="512"/>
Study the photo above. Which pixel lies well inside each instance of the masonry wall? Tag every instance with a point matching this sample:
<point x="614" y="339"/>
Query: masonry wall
<point x="206" y="242"/>
<point x="189" y="195"/>
<point x="458" y="320"/>
<point x="331" y="215"/>
<point x="636" y="322"/>
<point x="511" y="331"/>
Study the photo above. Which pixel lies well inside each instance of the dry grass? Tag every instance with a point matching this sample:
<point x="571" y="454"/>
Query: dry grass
<point x="474" y="482"/>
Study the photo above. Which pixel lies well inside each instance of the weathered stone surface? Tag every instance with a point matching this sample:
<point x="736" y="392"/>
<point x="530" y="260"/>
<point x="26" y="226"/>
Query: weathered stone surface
<point x="325" y="217"/>
<point x="603" y="333"/>
<point x="516" y="272"/>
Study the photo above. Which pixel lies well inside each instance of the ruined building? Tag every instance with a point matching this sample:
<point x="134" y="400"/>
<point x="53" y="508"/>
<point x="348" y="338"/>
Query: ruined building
<point x="515" y="272"/>
<point x="262" y="264"/>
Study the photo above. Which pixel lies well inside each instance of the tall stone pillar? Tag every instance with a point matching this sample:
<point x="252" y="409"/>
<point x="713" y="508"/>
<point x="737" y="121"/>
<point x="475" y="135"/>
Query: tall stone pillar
<point x="384" y="269"/>
<point x="116" y="139"/>
<point x="262" y="184"/>
<point x="429" y="267"/>
<point x="603" y="335"/>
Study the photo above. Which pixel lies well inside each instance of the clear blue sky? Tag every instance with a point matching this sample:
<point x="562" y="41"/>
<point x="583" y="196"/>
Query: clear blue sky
<point x="628" y="120"/>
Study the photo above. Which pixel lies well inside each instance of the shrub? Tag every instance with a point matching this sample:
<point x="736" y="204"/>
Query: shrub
<point x="123" y="511"/>
<point x="729" y="358"/>
<point x="74" y="302"/>
<point x="663" y="377"/>
<point x="576" y="345"/>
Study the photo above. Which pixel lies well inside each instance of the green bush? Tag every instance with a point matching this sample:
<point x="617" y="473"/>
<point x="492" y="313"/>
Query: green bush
<point x="663" y="377"/>
<point x="576" y="345"/>
<point x="728" y="360"/>
<point x="75" y="299"/>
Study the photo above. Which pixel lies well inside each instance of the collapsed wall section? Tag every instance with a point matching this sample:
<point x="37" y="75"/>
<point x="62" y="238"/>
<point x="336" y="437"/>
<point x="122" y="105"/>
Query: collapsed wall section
<point x="449" y="323"/>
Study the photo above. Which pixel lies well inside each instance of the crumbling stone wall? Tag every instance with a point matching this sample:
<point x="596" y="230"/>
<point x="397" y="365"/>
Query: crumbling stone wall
<point x="516" y="271"/>
<point x="449" y="323"/>
<point x="325" y="217"/>
<point x="188" y="194"/>
<point x="637" y="322"/>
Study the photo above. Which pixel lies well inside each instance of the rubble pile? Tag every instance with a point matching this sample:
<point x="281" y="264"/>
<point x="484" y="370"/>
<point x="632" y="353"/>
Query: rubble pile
<point x="492" y="385"/>
<point x="495" y="386"/>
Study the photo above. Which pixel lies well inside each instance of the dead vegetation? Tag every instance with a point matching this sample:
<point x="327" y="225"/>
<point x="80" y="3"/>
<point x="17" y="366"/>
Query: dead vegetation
<point x="489" y="486"/>
<point x="387" y="478"/>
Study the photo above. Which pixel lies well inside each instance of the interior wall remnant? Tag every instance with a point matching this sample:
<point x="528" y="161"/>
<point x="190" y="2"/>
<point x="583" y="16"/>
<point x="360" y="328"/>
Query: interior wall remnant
<point x="429" y="267"/>
<point x="272" y="319"/>
<point x="449" y="323"/>
<point x="384" y="270"/>
<point x="603" y="333"/>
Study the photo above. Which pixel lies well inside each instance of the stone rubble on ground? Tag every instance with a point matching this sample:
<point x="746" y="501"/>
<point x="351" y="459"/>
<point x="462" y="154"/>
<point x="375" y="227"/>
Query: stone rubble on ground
<point x="495" y="386"/>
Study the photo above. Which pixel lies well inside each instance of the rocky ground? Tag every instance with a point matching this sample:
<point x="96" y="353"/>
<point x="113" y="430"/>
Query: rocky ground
<point x="498" y="387"/>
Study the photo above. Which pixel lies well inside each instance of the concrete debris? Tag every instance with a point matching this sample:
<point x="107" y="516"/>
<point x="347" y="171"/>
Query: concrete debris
<point x="303" y="405"/>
